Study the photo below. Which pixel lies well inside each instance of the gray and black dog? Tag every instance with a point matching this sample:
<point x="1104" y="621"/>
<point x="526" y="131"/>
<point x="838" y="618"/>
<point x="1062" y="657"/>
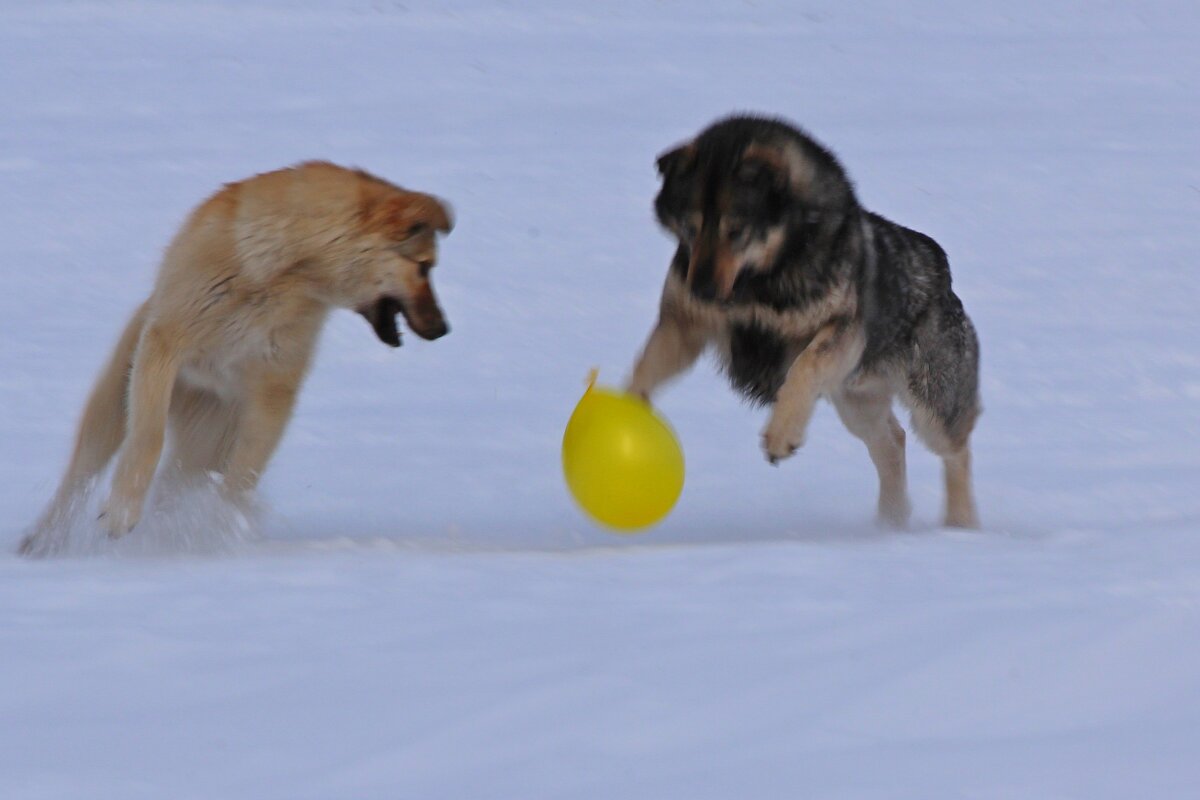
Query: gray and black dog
<point x="803" y="293"/>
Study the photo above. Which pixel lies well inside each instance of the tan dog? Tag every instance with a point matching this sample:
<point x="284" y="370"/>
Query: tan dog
<point x="218" y="352"/>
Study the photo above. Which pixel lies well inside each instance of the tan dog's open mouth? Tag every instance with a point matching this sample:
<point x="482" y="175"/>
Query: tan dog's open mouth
<point x="382" y="316"/>
<point x="427" y="322"/>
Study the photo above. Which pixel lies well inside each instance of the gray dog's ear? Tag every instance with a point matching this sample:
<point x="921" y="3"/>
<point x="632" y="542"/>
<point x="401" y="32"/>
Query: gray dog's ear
<point x="675" y="160"/>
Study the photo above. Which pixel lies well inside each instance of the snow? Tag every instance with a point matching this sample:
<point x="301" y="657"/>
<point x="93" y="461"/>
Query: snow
<point x="424" y="614"/>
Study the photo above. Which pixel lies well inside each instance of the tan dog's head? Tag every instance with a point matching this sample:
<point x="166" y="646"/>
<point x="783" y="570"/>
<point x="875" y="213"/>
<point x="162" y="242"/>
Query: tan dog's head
<point x="401" y="231"/>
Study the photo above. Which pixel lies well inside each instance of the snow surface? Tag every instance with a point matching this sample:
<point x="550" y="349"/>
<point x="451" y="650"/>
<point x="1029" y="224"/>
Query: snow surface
<point x="426" y="615"/>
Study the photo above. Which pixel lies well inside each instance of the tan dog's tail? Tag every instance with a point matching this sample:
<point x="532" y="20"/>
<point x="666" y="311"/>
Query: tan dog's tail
<point x="103" y="425"/>
<point x="100" y="431"/>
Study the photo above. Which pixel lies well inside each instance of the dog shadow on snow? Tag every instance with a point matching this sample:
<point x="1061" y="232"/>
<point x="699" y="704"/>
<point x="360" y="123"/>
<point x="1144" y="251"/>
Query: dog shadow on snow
<point x="191" y="518"/>
<point x="574" y="534"/>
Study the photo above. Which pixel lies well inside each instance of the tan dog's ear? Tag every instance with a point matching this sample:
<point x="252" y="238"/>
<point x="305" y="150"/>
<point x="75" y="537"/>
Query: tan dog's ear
<point x="411" y="214"/>
<point x="430" y="212"/>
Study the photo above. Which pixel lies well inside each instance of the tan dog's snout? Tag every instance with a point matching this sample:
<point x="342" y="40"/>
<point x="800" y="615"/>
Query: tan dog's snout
<point x="425" y="316"/>
<point x="429" y="326"/>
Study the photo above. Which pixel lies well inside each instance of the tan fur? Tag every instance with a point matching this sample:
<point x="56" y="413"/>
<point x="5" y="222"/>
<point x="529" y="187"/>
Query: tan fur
<point x="727" y="267"/>
<point x="222" y="345"/>
<point x="785" y="158"/>
<point x="820" y="369"/>
<point x="757" y="254"/>
<point x="865" y="408"/>
<point x="674" y="345"/>
<point x="956" y="466"/>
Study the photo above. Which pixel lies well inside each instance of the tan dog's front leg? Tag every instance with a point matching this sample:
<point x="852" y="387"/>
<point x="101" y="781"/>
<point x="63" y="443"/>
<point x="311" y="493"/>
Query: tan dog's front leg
<point x="673" y="346"/>
<point x="264" y="416"/>
<point x="155" y="366"/>
<point x="824" y="363"/>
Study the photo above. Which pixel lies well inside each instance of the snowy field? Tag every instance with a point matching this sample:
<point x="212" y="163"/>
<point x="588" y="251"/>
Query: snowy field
<point x="424" y="613"/>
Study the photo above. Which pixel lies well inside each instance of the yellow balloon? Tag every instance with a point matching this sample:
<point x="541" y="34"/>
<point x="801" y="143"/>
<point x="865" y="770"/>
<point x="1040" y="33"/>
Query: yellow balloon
<point x="621" y="460"/>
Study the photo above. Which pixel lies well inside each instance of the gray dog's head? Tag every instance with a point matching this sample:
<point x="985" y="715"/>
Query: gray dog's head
<point x="741" y="194"/>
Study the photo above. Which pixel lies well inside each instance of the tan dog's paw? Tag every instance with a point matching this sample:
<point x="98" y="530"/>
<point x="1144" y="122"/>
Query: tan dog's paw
<point x="779" y="443"/>
<point x="29" y="545"/>
<point x="238" y="498"/>
<point x="119" y="517"/>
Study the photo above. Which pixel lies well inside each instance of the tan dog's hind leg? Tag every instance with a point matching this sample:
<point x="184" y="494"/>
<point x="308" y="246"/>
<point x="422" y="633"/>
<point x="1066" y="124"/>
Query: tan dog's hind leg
<point x="101" y="430"/>
<point x="203" y="429"/>
<point x="866" y="411"/>
<point x="155" y="367"/>
<point x="823" y="365"/>
<point x="265" y="412"/>
<point x="673" y="347"/>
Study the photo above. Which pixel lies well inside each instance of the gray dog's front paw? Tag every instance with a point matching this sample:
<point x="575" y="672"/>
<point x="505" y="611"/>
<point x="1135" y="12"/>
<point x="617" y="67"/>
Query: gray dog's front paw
<point x="779" y="443"/>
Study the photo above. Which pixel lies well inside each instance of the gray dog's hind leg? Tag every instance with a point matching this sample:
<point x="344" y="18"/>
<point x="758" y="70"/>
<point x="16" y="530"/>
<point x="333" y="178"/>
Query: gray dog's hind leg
<point x="943" y="393"/>
<point x="866" y="411"/>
